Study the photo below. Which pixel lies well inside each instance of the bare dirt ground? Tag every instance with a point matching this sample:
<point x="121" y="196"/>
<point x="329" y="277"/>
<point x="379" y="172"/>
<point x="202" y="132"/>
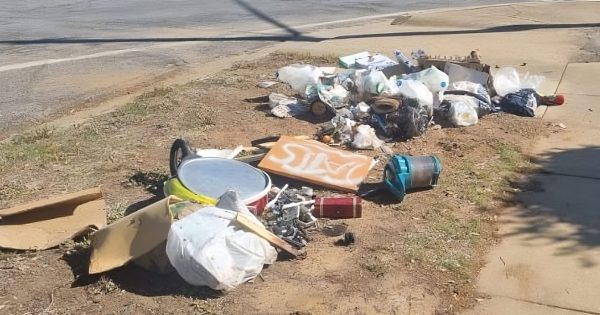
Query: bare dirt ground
<point x="416" y="257"/>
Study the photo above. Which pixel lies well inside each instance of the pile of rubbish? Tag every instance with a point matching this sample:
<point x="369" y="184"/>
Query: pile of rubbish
<point x="222" y="218"/>
<point x="374" y="95"/>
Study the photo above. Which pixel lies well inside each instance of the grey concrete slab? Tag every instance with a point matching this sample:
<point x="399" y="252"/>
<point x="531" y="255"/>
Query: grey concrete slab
<point x="550" y="249"/>
<point x="581" y="78"/>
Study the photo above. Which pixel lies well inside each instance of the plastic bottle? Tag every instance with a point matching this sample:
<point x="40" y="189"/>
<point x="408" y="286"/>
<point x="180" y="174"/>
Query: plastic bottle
<point x="406" y="61"/>
<point x="434" y="79"/>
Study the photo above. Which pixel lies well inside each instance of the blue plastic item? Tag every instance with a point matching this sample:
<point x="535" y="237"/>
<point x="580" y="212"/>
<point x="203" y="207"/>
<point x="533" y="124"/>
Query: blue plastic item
<point x="404" y="173"/>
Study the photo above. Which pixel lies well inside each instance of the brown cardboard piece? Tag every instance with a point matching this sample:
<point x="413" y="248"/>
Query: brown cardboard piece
<point x="132" y="237"/>
<point x="46" y="223"/>
<point x="317" y="163"/>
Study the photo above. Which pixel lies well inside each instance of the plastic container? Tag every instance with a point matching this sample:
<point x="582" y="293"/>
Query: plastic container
<point x="404" y="173"/>
<point x="435" y="80"/>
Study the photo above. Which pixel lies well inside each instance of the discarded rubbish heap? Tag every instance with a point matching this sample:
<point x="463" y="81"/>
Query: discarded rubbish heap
<point x="223" y="218"/>
<point x="375" y="99"/>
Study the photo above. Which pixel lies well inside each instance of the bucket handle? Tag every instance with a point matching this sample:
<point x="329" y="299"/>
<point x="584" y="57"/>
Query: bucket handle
<point x="182" y="146"/>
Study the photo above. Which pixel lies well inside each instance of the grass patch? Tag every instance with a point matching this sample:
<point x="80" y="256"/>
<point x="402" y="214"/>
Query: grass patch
<point x="445" y="244"/>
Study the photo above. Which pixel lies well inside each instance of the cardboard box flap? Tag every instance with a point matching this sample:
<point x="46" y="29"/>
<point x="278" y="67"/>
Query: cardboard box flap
<point x="47" y="223"/>
<point x="131" y="236"/>
<point x="43" y="204"/>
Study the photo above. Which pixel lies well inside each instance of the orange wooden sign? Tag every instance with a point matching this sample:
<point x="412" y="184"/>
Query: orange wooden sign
<point x="317" y="163"/>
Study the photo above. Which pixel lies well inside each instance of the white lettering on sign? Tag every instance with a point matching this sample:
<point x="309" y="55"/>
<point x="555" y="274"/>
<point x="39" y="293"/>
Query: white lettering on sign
<point x="313" y="161"/>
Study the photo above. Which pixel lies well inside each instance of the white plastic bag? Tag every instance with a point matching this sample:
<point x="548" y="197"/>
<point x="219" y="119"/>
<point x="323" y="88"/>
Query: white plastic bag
<point x="462" y="114"/>
<point x="299" y="76"/>
<point x="208" y="249"/>
<point x="508" y="80"/>
<point x="365" y="138"/>
<point x="435" y="80"/>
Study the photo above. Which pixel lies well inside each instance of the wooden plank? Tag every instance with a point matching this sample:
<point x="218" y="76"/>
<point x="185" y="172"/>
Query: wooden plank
<point x="267" y="235"/>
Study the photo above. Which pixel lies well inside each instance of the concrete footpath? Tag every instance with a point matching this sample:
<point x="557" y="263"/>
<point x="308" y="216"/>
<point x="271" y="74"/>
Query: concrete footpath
<point x="549" y="259"/>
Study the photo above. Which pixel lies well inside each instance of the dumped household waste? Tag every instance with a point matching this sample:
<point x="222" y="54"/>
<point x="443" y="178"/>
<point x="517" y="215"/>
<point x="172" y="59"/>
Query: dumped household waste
<point x="400" y="99"/>
<point x="204" y="179"/>
<point x="136" y="235"/>
<point x="49" y="222"/>
<point x="208" y="248"/>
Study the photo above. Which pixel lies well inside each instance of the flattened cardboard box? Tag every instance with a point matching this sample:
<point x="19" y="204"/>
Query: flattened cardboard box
<point x="132" y="237"/>
<point x="46" y="223"/>
<point x="317" y="163"/>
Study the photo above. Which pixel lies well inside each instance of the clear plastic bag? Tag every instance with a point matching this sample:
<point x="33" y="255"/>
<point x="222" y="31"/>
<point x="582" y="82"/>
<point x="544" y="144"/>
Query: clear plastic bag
<point x="365" y="138"/>
<point x="206" y="249"/>
<point x="508" y="80"/>
<point x="299" y="76"/>
<point x="462" y="114"/>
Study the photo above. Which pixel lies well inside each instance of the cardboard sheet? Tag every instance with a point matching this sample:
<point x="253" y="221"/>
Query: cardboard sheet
<point x="47" y="223"/>
<point x="132" y="236"/>
<point x="317" y="163"/>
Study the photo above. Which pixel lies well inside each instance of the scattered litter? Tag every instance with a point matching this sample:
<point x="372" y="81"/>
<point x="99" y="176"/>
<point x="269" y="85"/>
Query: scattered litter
<point x="220" y="153"/>
<point x="132" y="237"/>
<point x="508" y="80"/>
<point x="404" y="173"/>
<point x="461" y="113"/>
<point x="266" y="84"/>
<point x="434" y="79"/>
<point x="522" y="102"/>
<point x="374" y="62"/>
<point x="349" y="239"/>
<point x="334" y="229"/>
<point x="350" y="60"/>
<point x="49" y="222"/>
<point x="299" y="76"/>
<point x="205" y="179"/>
<point x="562" y="126"/>
<point x="276" y="99"/>
<point x="338" y="207"/>
<point x="289" y="110"/>
<point x="365" y="138"/>
<point x="206" y="249"/>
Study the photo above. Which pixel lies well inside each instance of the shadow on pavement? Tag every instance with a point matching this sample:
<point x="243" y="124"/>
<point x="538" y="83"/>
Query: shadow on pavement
<point x="295" y="36"/>
<point x="557" y="208"/>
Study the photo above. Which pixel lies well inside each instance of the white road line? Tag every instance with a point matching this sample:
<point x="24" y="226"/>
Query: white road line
<point x="59" y="60"/>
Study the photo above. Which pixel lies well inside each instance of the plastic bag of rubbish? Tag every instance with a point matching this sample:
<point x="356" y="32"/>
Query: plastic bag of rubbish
<point x="298" y="76"/>
<point x="375" y="82"/>
<point x="365" y="138"/>
<point x="522" y="103"/>
<point x="360" y="110"/>
<point x="462" y="114"/>
<point x="435" y="80"/>
<point x="411" y="120"/>
<point x="417" y="90"/>
<point x="508" y="80"/>
<point x="474" y="94"/>
<point x="208" y="249"/>
<point x="335" y="96"/>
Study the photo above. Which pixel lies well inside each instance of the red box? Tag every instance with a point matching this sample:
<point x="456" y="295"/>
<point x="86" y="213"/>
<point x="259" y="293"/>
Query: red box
<point x="338" y="207"/>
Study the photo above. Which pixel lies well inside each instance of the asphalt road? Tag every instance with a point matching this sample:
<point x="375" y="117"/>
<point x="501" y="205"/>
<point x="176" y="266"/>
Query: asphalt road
<point x="55" y="55"/>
